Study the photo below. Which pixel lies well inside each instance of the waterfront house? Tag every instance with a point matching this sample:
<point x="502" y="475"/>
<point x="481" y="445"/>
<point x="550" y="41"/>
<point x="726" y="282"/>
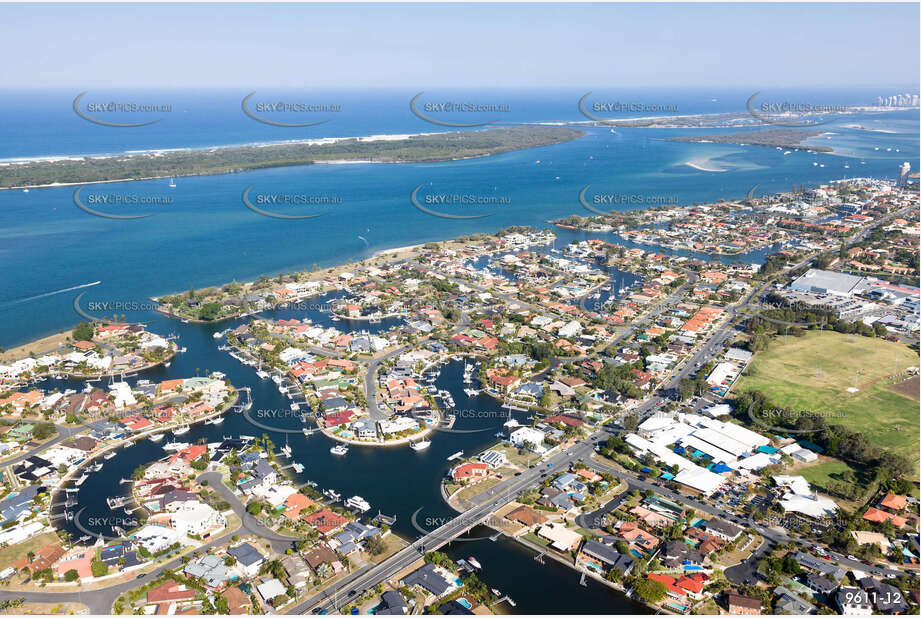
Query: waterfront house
<point x="469" y="472"/>
<point x="561" y="538"/>
<point x="326" y="522"/>
<point x="676" y="554"/>
<point x="430" y="578"/>
<point x="602" y="558"/>
<point x="526" y="516"/>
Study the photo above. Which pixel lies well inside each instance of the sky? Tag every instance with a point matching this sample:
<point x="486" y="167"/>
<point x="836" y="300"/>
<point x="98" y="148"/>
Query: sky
<point x="359" y="46"/>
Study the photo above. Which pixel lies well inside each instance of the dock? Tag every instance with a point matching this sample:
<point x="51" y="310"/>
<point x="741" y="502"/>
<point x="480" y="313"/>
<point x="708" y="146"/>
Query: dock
<point x="456" y="455"/>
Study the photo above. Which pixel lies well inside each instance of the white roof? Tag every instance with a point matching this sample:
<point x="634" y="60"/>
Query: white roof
<point x="271" y="589"/>
<point x="701" y="479"/>
<point x="797" y="484"/>
<point x="722" y="409"/>
<point x="751" y="439"/>
<point x="560" y="536"/>
<point x="813" y="506"/>
<point x="718" y="454"/>
<point x="756" y="462"/>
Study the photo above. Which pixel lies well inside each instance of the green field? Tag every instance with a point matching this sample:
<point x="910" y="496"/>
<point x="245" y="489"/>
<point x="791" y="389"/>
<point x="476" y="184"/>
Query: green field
<point x="814" y="372"/>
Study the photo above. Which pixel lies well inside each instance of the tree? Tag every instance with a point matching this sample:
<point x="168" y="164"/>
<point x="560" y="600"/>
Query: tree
<point x="209" y="311"/>
<point x="650" y="590"/>
<point x="98" y="567"/>
<point x="83" y="332"/>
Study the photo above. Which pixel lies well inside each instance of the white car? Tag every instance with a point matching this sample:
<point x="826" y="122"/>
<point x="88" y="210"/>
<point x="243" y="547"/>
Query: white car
<point x="854" y="558"/>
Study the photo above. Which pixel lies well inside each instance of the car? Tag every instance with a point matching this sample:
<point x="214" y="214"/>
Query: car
<point x="518" y="474"/>
<point x="854" y="558"/>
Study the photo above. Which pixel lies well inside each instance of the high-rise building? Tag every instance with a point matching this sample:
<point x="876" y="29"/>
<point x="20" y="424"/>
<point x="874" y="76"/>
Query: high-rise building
<point x="904" y="169"/>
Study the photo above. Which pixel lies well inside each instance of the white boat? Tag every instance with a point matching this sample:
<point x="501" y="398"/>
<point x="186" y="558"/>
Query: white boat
<point x="339" y="449"/>
<point x="333" y="495"/>
<point x="217" y="420"/>
<point x="299" y="468"/>
<point x="295" y="407"/>
<point x="175" y="446"/>
<point x="306" y="431"/>
<point x="474" y="563"/>
<point x="421" y="445"/>
<point x="262" y="374"/>
<point x="358" y="503"/>
<point x="172" y="183"/>
<point x="155" y="437"/>
<point x="80" y="480"/>
<point x="181" y="430"/>
<point x="276" y="379"/>
<point x="286" y="450"/>
<point x="110" y="455"/>
<point x="218" y="334"/>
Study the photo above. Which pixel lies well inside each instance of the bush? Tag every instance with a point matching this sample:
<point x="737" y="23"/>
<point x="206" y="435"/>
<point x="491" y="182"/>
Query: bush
<point x="71" y="575"/>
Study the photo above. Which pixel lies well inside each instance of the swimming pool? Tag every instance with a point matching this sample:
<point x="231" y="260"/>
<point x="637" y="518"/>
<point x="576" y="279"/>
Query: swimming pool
<point x="464" y="602"/>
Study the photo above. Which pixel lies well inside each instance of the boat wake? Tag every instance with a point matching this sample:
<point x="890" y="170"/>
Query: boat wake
<point x="46" y="294"/>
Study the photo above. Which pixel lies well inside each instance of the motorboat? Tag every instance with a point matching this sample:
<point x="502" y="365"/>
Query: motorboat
<point x="358" y="503"/>
<point x="339" y="449"/>
<point x="421" y="445"/>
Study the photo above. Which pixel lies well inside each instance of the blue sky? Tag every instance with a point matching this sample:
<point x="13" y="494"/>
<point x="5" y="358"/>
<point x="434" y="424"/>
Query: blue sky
<point x="458" y="45"/>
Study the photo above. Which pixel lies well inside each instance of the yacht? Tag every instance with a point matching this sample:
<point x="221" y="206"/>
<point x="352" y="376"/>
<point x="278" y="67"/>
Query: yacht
<point x="358" y="503"/>
<point x="276" y="379"/>
<point x="286" y="450"/>
<point x="175" y="446"/>
<point x="155" y="437"/>
<point x="217" y="420"/>
<point x="333" y="495"/>
<point x="474" y="562"/>
<point x="295" y="407"/>
<point x="262" y="374"/>
<point x="218" y="334"/>
<point x="421" y="445"/>
<point x="339" y="449"/>
<point x="181" y="430"/>
<point x="110" y="454"/>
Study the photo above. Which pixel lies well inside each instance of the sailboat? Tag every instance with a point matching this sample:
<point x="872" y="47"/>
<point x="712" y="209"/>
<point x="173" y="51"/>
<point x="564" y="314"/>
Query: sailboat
<point x="172" y="183"/>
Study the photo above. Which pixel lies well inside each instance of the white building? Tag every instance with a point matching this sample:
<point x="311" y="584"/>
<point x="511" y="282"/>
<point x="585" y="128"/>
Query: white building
<point x="530" y="435"/>
<point x="196" y="518"/>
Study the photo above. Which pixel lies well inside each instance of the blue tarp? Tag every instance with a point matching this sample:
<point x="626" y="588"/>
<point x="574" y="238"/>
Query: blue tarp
<point x="770" y="450"/>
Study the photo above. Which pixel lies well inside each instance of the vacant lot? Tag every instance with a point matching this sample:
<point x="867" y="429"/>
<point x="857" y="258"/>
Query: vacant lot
<point x="814" y="373"/>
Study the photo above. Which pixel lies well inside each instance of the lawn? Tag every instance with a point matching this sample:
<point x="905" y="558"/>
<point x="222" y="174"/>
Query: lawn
<point x="814" y="373"/>
<point x="12" y="553"/>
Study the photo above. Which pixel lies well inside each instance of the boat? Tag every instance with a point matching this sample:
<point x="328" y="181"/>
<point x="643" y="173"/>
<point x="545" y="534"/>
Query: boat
<point x="262" y="374"/>
<point x="156" y="437"/>
<point x="81" y="480"/>
<point x="339" y="449"/>
<point x="421" y="445"/>
<point x="295" y="407"/>
<point x="172" y="183"/>
<point x="286" y="450"/>
<point x="358" y="503"/>
<point x="175" y="446"/>
<point x="218" y="334"/>
<point x="181" y="430"/>
<point x="276" y="379"/>
<point x="217" y="420"/>
<point x="110" y="455"/>
<point x="299" y="468"/>
<point x="306" y="431"/>
<point x="474" y="563"/>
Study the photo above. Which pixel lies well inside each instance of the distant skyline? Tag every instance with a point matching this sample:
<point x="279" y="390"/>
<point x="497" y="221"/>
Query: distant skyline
<point x="220" y="46"/>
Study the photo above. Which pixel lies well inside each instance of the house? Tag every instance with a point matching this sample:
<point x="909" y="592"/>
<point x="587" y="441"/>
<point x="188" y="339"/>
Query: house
<point x="238" y="602"/>
<point x="741" y="605"/>
<point x="788" y="602"/>
<point x="210" y="570"/>
<point x="526" y="516"/>
<point x="248" y="558"/>
<point x="322" y="560"/>
<point x="271" y="589"/>
<point x="561" y="538"/>
<point x="888" y="598"/>
<point x="853" y="601"/>
<point x="819" y="584"/>
<point x="676" y="554"/>
<point x="429" y="578"/>
<point x="326" y="521"/>
<point x="43" y="559"/>
<point x="470" y="472"/>
<point x="392" y="604"/>
<point x="602" y="558"/>
<point x="296" y="569"/>
<point x="832" y="571"/>
<point x="168" y="593"/>
<point x="493" y="459"/>
<point x="723" y="529"/>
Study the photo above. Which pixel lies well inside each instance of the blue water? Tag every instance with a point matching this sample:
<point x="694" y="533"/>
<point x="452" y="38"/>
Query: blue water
<point x="207" y="237"/>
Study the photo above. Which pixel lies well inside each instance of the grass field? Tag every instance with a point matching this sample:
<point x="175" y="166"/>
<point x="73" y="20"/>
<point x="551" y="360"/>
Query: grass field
<point x="814" y="373"/>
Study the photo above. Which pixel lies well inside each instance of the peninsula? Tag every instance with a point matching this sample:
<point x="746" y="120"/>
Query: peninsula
<point x="776" y="138"/>
<point x="224" y="160"/>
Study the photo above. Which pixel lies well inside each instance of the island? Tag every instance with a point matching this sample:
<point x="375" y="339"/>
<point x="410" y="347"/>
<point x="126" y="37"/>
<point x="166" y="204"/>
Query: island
<point x="791" y="139"/>
<point x="424" y="148"/>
